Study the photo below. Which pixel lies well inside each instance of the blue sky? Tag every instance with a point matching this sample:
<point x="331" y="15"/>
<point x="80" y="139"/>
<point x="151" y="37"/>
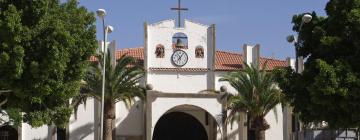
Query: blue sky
<point x="266" y="22"/>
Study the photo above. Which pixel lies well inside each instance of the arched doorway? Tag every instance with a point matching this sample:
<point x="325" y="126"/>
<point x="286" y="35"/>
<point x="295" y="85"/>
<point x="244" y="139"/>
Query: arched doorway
<point x="7" y="132"/>
<point x="179" y="126"/>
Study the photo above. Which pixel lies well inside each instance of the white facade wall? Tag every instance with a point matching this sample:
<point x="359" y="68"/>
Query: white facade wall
<point x="162" y="33"/>
<point x="30" y="133"/>
<point x="83" y="128"/>
<point x="179" y="82"/>
<point x="276" y="126"/>
<point x="218" y="84"/>
<point x="129" y="120"/>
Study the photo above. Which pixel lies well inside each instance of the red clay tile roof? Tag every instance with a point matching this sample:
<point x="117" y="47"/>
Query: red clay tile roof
<point x="137" y="53"/>
<point x="224" y="61"/>
<point x="227" y="61"/>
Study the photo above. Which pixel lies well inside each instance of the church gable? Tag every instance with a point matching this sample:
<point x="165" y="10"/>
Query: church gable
<point x="183" y="47"/>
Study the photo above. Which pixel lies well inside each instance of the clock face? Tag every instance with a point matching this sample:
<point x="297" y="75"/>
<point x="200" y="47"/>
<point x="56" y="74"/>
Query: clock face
<point x="179" y="58"/>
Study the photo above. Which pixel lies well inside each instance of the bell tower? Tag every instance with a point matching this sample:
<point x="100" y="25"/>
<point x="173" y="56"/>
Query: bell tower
<point x="177" y="51"/>
<point x="176" y="54"/>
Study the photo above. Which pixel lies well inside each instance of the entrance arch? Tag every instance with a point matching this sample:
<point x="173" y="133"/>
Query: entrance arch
<point x="179" y="126"/>
<point x="7" y="132"/>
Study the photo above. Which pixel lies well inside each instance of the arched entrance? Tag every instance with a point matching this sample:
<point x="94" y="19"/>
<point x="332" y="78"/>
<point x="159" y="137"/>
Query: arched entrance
<point x="7" y="132"/>
<point x="179" y="126"/>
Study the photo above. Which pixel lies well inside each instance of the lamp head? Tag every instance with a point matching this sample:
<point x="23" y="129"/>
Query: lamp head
<point x="101" y="13"/>
<point x="223" y="89"/>
<point x="109" y="29"/>
<point x="306" y="18"/>
<point x="290" y="38"/>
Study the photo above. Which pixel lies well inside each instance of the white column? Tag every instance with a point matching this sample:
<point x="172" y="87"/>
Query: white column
<point x="300" y="64"/>
<point x="251" y="54"/>
<point x="112" y="51"/>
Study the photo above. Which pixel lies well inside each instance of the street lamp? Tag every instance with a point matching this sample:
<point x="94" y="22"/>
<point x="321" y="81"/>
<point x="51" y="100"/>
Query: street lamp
<point x="292" y="39"/>
<point x="101" y="13"/>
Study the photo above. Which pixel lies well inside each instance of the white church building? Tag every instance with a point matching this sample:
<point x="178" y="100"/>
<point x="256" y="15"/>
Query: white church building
<point x="181" y="63"/>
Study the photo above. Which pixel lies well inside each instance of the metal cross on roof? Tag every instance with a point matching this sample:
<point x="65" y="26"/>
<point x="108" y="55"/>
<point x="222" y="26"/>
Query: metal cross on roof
<point x="179" y="9"/>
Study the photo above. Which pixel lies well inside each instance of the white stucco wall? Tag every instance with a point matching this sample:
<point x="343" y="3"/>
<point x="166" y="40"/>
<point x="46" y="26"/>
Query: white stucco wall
<point x="83" y="127"/>
<point x="178" y="82"/>
<point x="276" y="127"/>
<point x="129" y="120"/>
<point x="218" y="84"/>
<point x="40" y="133"/>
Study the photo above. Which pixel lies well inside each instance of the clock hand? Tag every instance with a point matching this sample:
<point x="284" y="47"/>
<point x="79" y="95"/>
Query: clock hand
<point x="180" y="56"/>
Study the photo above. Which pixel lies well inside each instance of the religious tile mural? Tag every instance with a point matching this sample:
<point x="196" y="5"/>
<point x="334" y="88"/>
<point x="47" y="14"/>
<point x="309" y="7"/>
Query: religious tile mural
<point x="160" y="51"/>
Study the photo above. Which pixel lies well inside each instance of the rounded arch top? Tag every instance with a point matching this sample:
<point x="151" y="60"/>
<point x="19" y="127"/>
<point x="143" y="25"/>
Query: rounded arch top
<point x="180" y="40"/>
<point x="180" y="34"/>
<point x="178" y="126"/>
<point x="215" y="114"/>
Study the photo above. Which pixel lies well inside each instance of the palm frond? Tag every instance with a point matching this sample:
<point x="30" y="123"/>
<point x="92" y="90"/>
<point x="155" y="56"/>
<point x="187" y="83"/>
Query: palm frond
<point x="121" y="81"/>
<point x="77" y="101"/>
<point x="256" y="91"/>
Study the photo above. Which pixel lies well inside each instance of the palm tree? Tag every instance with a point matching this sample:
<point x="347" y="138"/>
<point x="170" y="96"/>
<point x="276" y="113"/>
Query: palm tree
<point x="122" y="84"/>
<point x="257" y="95"/>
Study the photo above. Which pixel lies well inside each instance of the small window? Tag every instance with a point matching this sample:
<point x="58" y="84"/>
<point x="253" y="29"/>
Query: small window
<point x="180" y="41"/>
<point x="199" y="52"/>
<point x="160" y="51"/>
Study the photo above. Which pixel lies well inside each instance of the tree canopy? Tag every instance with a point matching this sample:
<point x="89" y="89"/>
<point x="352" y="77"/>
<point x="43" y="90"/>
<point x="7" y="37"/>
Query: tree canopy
<point x="44" y="48"/>
<point x="329" y="87"/>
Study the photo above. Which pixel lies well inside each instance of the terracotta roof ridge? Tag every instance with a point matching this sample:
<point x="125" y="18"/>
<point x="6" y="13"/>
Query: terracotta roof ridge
<point x="274" y="59"/>
<point x="228" y="52"/>
<point x="133" y="48"/>
<point x="261" y="57"/>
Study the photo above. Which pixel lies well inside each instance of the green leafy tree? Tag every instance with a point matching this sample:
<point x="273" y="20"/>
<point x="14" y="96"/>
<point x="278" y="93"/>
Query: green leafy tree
<point x="329" y="88"/>
<point x="122" y="84"/>
<point x="44" y="48"/>
<point x="257" y="95"/>
<point x="9" y="115"/>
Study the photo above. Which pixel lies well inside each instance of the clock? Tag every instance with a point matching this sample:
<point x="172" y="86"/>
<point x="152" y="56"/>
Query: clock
<point x="179" y="58"/>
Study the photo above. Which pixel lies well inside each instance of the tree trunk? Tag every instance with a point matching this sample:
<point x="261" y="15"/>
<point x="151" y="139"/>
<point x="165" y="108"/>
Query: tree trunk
<point x="259" y="125"/>
<point x="109" y="116"/>
<point x="260" y="135"/>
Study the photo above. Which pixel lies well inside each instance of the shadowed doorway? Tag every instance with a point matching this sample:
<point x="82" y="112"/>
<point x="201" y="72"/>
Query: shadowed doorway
<point x="7" y="132"/>
<point x="179" y="126"/>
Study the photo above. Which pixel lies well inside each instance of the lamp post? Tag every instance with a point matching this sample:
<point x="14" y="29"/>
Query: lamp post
<point x="101" y="13"/>
<point x="292" y="39"/>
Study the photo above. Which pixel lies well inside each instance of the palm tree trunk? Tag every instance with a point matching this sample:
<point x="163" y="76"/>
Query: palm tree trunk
<point x="260" y="125"/>
<point x="260" y="135"/>
<point x="109" y="116"/>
